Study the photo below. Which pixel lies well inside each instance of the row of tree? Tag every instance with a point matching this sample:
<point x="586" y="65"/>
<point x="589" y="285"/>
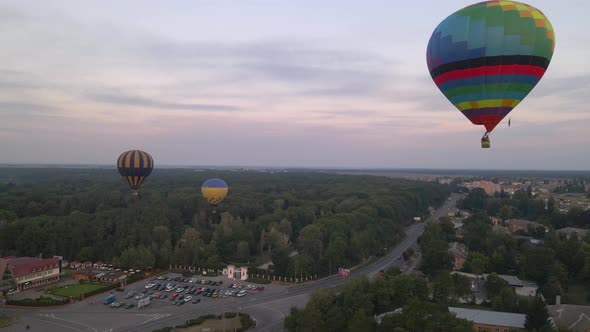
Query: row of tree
<point x="305" y="223"/>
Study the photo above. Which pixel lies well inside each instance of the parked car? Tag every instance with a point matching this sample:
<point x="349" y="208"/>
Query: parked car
<point x="188" y="298"/>
<point x="129" y="305"/>
<point x="120" y="289"/>
<point x="195" y="301"/>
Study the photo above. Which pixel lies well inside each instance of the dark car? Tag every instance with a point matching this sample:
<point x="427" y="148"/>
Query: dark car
<point x="120" y="289"/>
<point x="195" y="301"/>
<point x="129" y="305"/>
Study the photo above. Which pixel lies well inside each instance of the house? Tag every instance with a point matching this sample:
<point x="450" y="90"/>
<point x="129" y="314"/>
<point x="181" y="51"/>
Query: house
<point x="99" y="265"/>
<point x="20" y="273"/>
<point x="574" y="317"/>
<point x="459" y="253"/>
<point x="86" y="265"/>
<point x="232" y="272"/>
<point x="484" y="320"/>
<point x="75" y="264"/>
<point x="515" y="225"/>
<point x="65" y="263"/>
<point x="520" y="287"/>
<point x="569" y="232"/>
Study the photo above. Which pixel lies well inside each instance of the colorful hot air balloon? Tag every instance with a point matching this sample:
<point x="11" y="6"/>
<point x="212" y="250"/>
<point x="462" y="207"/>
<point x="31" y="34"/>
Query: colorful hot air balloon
<point x="485" y="58"/>
<point x="214" y="191"/>
<point x="134" y="166"/>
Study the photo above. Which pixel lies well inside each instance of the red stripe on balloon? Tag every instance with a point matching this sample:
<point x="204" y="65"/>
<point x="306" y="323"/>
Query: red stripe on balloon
<point x="490" y="70"/>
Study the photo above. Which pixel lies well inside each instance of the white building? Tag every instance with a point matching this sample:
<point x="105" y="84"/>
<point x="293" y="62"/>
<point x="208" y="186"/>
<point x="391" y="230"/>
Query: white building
<point x="233" y="272"/>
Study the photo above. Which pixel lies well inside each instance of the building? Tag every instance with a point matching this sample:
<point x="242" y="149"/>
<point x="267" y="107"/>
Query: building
<point x="489" y="187"/>
<point x="569" y="232"/>
<point x="232" y="272"/>
<point x="574" y="317"/>
<point x="459" y="253"/>
<point x="515" y="225"/>
<point x="75" y="264"/>
<point x="86" y="265"/>
<point x="520" y="287"/>
<point x="28" y="272"/>
<point x="484" y="320"/>
<point x="99" y="265"/>
<point x="100" y="275"/>
<point x="64" y="263"/>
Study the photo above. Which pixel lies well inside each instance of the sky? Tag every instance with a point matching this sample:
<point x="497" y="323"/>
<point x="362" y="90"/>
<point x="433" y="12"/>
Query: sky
<point x="302" y="83"/>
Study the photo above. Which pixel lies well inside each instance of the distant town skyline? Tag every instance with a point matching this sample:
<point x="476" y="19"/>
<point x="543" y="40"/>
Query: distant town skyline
<point x="268" y="83"/>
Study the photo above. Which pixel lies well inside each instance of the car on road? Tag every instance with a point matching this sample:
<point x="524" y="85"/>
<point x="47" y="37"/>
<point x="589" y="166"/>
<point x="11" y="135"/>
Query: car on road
<point x="260" y="288"/>
<point x="120" y="289"/>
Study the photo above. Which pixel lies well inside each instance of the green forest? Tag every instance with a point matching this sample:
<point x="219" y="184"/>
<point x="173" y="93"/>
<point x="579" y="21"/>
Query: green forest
<point x="302" y="221"/>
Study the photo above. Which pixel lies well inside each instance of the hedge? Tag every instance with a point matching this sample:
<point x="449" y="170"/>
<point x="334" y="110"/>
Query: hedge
<point x="259" y="281"/>
<point x="245" y="319"/>
<point x="43" y="301"/>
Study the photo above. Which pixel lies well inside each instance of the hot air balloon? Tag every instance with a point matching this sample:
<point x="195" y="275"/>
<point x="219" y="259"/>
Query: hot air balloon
<point x="214" y="190"/>
<point x="487" y="57"/>
<point x="135" y="166"/>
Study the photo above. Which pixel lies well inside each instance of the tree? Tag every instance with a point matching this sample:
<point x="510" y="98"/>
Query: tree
<point x="494" y="284"/>
<point x="243" y="251"/>
<point x="360" y="321"/>
<point x="537" y="316"/>
<point x="443" y="288"/>
<point x="505" y="300"/>
<point x="505" y="212"/>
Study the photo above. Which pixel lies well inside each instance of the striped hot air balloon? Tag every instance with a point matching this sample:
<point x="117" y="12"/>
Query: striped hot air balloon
<point x="487" y="57"/>
<point x="135" y="166"/>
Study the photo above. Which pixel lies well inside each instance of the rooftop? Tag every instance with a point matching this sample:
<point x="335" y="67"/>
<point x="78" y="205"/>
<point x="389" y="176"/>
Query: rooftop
<point x="490" y="317"/>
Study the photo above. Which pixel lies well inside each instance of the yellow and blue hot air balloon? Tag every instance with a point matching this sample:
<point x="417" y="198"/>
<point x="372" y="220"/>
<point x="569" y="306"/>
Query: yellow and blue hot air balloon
<point x="487" y="57"/>
<point x="214" y="190"/>
<point x="135" y="166"/>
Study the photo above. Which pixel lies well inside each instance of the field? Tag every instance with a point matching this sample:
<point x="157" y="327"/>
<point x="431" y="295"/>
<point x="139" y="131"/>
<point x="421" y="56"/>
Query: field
<point x="76" y="290"/>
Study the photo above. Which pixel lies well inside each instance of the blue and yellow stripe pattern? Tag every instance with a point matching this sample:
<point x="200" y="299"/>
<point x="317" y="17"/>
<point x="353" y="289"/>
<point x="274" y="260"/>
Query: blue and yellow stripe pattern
<point x="214" y="191"/>
<point x="135" y="166"/>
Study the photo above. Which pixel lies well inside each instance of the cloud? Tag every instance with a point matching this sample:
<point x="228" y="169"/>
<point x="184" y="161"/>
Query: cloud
<point x="128" y="100"/>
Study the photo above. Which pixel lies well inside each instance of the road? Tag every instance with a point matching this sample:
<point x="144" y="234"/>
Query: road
<point x="269" y="308"/>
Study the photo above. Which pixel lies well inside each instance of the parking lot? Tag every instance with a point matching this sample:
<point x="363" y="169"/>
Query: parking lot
<point x="174" y="290"/>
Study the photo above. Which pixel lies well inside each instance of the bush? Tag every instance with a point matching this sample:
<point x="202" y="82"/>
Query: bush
<point x="246" y="321"/>
<point x="40" y="302"/>
<point x="259" y="281"/>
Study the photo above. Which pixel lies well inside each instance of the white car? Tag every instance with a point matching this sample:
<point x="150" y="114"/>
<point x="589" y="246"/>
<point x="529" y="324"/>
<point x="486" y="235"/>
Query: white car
<point x="187" y="298"/>
<point x="179" y="290"/>
<point x="242" y="293"/>
<point x="150" y="285"/>
<point x="193" y="280"/>
<point x="139" y="296"/>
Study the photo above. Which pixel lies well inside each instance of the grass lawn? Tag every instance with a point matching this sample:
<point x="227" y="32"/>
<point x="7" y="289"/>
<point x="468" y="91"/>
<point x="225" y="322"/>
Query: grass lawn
<point x="577" y="294"/>
<point x="77" y="290"/>
<point x="228" y="324"/>
<point x="7" y="321"/>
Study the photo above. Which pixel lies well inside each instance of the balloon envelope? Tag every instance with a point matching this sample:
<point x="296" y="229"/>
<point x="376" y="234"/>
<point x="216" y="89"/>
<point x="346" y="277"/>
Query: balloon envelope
<point x="486" y="58"/>
<point x="214" y="191"/>
<point x="135" y="166"/>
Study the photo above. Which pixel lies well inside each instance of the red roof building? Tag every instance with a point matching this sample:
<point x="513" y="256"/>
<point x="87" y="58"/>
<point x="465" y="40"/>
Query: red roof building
<point x="28" y="272"/>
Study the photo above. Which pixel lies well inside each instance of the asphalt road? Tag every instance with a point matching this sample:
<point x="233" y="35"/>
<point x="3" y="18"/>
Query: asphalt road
<point x="268" y="307"/>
